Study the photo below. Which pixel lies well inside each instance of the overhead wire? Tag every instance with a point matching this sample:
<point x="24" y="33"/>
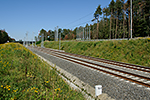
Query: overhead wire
<point x="81" y="23"/>
<point x="78" y="19"/>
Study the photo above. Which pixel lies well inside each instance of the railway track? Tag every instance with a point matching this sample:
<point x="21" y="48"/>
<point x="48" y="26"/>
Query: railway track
<point x="134" y="73"/>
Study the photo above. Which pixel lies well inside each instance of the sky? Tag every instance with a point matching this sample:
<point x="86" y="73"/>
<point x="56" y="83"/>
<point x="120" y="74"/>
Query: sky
<point x="18" y="17"/>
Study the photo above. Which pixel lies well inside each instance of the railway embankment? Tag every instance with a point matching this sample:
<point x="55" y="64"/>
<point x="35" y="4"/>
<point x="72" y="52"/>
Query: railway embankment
<point x="135" y="51"/>
<point x="118" y="85"/>
<point x="24" y="76"/>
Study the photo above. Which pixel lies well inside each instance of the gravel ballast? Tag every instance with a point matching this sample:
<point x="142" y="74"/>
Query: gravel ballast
<point x="115" y="87"/>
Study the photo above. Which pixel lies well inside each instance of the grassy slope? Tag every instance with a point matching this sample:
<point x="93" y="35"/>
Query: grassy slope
<point x="129" y="51"/>
<point x="24" y="76"/>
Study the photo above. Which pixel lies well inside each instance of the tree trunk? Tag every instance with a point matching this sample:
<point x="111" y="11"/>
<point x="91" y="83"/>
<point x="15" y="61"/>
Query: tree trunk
<point x="97" y="28"/>
<point x="116" y="26"/>
<point x="103" y="27"/>
<point x="129" y="24"/>
<point x="113" y="28"/>
<point x="107" y="26"/>
<point x="123" y="20"/>
<point x="120" y="35"/>
<point x="110" y="25"/>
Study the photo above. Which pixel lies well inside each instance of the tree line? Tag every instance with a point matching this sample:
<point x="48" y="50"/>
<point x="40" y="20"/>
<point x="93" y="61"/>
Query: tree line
<point x="113" y="22"/>
<point x="4" y="37"/>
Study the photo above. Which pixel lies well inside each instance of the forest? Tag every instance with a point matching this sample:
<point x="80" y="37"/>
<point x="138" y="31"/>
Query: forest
<point x="111" y="22"/>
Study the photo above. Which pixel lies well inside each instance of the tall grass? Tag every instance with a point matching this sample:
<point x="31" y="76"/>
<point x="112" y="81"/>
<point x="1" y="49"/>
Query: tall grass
<point x="128" y="51"/>
<point x="24" y="76"/>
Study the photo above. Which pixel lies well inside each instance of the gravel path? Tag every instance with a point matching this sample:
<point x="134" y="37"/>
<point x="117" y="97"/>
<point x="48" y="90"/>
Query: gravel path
<point x="115" y="87"/>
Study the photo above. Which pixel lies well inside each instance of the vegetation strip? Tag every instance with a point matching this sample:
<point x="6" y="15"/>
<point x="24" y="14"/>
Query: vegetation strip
<point x="24" y="76"/>
<point x="128" y="51"/>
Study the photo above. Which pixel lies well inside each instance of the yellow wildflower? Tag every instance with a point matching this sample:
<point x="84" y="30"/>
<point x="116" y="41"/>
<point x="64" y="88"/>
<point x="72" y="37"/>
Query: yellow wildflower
<point x="36" y="91"/>
<point x="12" y="99"/>
<point x="1" y="85"/>
<point x="58" y="89"/>
<point x="8" y="89"/>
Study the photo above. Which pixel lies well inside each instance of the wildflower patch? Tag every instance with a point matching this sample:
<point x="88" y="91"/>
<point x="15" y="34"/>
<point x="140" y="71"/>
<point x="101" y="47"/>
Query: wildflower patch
<point x="24" y="76"/>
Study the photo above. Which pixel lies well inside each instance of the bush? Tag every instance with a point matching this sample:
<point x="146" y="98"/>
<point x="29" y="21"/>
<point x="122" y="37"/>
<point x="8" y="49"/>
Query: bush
<point x="38" y="42"/>
<point x="3" y="37"/>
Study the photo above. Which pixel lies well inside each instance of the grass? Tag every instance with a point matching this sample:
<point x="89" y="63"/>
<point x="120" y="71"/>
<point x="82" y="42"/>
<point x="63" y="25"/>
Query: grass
<point x="129" y="51"/>
<point x="24" y="76"/>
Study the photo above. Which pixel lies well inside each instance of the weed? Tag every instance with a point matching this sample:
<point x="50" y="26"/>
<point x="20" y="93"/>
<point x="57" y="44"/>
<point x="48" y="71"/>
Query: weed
<point x="128" y="51"/>
<point x="24" y="76"/>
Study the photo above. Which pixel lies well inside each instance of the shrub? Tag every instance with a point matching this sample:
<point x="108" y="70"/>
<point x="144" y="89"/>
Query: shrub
<point x="3" y="37"/>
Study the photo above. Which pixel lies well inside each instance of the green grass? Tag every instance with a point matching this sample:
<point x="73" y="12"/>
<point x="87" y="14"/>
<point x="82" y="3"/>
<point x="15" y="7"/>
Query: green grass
<point x="128" y="51"/>
<point x="24" y="76"/>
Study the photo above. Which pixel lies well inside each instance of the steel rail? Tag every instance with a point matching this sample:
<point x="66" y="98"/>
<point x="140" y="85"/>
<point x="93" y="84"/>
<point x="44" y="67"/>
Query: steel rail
<point x="147" y="78"/>
<point x="120" y="76"/>
<point x="123" y="77"/>
<point x="145" y="69"/>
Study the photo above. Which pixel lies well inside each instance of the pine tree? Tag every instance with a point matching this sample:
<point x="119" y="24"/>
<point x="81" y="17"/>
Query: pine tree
<point x="97" y="13"/>
<point x="111" y="7"/>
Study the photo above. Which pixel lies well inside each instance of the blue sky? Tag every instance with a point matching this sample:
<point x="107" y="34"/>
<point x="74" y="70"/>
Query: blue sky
<point x="20" y="16"/>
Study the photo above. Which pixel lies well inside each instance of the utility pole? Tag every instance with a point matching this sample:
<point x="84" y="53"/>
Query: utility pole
<point x="60" y="39"/>
<point x="59" y="33"/>
<point x="131" y="17"/>
<point x="89" y="33"/>
<point x="24" y="42"/>
<point x="33" y="39"/>
<point x="56" y="33"/>
<point x="83" y="33"/>
<point x="27" y="39"/>
<point x="42" y="44"/>
<point x="41" y="39"/>
<point x="77" y="34"/>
